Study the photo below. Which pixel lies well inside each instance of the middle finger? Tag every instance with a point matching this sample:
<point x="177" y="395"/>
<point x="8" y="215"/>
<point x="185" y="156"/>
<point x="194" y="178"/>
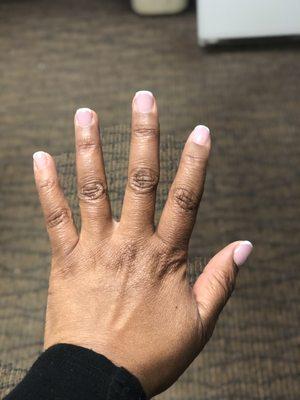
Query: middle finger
<point x="143" y="170"/>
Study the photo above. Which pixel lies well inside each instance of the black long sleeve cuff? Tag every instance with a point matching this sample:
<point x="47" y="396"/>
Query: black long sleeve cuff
<point x="66" y="372"/>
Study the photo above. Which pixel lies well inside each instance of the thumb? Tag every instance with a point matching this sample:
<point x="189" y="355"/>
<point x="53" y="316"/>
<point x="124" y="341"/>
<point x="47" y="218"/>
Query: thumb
<point x="216" y="283"/>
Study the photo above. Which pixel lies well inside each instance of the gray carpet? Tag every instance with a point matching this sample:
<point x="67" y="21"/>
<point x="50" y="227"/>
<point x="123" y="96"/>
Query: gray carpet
<point x="57" y="56"/>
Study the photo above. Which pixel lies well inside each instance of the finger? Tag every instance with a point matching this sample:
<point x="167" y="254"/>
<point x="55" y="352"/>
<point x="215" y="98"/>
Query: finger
<point x="179" y="214"/>
<point x="143" y="170"/>
<point x="216" y="283"/>
<point x="60" y="226"/>
<point x="91" y="180"/>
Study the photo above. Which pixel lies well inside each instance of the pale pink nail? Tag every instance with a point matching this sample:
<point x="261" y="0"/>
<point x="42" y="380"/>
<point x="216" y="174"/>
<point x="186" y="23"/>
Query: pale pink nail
<point x="200" y="135"/>
<point x="84" y="117"/>
<point x="242" y="252"/>
<point x="40" y="159"/>
<point x="144" y="101"/>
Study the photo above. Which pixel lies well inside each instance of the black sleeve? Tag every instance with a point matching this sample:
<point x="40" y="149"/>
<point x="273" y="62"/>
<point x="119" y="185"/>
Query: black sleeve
<point x="66" y="372"/>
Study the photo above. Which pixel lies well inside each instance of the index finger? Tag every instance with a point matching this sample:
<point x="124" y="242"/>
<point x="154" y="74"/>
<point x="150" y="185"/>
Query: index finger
<point x="180" y="211"/>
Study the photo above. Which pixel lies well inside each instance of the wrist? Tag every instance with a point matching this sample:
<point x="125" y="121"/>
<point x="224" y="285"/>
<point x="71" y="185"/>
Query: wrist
<point x="73" y="372"/>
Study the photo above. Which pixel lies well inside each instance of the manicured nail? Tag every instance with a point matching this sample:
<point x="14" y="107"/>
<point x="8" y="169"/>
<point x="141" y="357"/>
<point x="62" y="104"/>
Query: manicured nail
<point x="144" y="101"/>
<point x="242" y="252"/>
<point x="84" y="117"/>
<point x="200" y="135"/>
<point x="40" y="159"/>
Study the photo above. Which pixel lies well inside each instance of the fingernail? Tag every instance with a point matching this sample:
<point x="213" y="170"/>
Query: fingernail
<point x="200" y="135"/>
<point x="144" y="101"/>
<point x="242" y="252"/>
<point x="84" y="117"/>
<point x="40" y="159"/>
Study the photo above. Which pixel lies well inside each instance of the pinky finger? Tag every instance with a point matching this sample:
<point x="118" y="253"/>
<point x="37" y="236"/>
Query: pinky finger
<point x="58" y="217"/>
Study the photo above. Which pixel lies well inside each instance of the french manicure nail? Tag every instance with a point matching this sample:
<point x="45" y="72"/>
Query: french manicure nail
<point x="40" y="159"/>
<point x="242" y="252"/>
<point x="144" y="101"/>
<point x="84" y="117"/>
<point x="200" y="135"/>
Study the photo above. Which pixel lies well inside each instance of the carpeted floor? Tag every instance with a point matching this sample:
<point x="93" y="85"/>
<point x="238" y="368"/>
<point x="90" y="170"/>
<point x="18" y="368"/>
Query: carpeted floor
<point x="58" y="56"/>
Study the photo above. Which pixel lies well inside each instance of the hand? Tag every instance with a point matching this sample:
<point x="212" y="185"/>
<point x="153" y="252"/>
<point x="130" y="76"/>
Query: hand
<point x="121" y="288"/>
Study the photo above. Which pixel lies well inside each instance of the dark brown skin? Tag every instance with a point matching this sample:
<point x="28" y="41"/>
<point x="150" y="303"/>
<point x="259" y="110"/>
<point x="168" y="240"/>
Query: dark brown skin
<point x="121" y="288"/>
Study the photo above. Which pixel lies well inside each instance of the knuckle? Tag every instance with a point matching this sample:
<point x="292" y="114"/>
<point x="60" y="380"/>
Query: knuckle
<point x="48" y="184"/>
<point x="130" y="250"/>
<point x="144" y="131"/>
<point x="57" y="217"/>
<point x="223" y="282"/>
<point x="127" y="256"/>
<point x="92" y="190"/>
<point x="87" y="143"/>
<point x="185" y="199"/>
<point x="169" y="258"/>
<point x="196" y="159"/>
<point x="143" y="180"/>
<point x="171" y="262"/>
